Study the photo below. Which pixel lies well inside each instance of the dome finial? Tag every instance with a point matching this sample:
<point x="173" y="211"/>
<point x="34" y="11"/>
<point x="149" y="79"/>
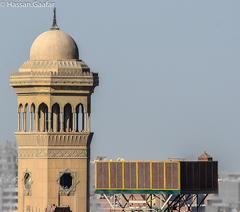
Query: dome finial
<point x="54" y="24"/>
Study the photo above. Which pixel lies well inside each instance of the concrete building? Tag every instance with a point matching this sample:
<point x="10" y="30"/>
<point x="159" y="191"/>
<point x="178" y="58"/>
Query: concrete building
<point x="228" y="198"/>
<point x="8" y="198"/>
<point x="54" y="90"/>
<point x="8" y="177"/>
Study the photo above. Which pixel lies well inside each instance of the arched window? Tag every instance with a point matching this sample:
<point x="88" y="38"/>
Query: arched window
<point x="80" y="118"/>
<point x="20" y="117"/>
<point x="43" y="117"/>
<point x="68" y="118"/>
<point x="56" y="118"/>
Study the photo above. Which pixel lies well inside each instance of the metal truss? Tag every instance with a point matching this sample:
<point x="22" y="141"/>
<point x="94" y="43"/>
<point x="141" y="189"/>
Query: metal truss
<point x="154" y="202"/>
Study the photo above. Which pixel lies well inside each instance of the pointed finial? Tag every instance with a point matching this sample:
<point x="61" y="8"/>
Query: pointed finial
<point x="54" y="24"/>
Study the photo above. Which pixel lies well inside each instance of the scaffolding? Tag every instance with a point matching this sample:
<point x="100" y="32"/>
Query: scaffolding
<point x="152" y="202"/>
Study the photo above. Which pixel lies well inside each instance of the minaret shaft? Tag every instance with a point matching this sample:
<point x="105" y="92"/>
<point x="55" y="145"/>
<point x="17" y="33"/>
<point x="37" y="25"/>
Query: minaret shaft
<point x="54" y="135"/>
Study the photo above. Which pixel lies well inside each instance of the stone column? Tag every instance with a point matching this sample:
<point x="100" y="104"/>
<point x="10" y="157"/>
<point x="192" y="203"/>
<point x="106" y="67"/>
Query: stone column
<point x="19" y="124"/>
<point x="55" y="117"/>
<point x="30" y="121"/>
<point x="77" y="117"/>
<point x="88" y="122"/>
<point x="85" y="121"/>
<point x="49" y="122"/>
<point x="36" y="122"/>
<point x="73" y="122"/>
<point x="44" y="127"/>
<point x="61" y="121"/>
<point x="24" y="121"/>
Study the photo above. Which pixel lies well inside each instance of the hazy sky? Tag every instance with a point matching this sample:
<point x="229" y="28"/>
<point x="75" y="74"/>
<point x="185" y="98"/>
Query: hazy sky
<point x="169" y="73"/>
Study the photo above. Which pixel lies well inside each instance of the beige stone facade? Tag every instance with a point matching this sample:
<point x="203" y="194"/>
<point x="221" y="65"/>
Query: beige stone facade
<point x="54" y="92"/>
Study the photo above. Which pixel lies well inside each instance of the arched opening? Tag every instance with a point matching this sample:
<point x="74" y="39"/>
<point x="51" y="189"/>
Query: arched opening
<point x="56" y="118"/>
<point x="43" y="117"/>
<point x="32" y="118"/>
<point x="26" y="118"/>
<point x="67" y="118"/>
<point x="79" y="118"/>
<point x="20" y="117"/>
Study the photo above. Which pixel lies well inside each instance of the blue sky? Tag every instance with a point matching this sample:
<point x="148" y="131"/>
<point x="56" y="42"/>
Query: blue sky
<point x="169" y="73"/>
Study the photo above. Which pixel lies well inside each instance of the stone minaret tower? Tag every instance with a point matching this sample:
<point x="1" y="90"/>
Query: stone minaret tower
<point x="54" y="90"/>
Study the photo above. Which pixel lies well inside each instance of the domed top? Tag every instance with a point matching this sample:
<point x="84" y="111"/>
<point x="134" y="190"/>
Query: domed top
<point x="54" y="45"/>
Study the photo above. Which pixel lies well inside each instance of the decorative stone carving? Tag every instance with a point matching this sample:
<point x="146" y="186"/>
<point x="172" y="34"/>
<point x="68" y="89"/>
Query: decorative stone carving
<point x="67" y="188"/>
<point x="52" y="153"/>
<point x="72" y="153"/>
<point x="54" y="139"/>
<point x="27" y="182"/>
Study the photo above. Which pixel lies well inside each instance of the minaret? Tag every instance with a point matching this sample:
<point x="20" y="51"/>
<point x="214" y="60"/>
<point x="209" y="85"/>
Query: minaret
<point x="54" y="90"/>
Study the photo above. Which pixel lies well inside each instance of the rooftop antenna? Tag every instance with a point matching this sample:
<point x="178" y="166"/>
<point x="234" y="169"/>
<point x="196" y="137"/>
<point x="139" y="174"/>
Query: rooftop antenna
<point x="54" y="24"/>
